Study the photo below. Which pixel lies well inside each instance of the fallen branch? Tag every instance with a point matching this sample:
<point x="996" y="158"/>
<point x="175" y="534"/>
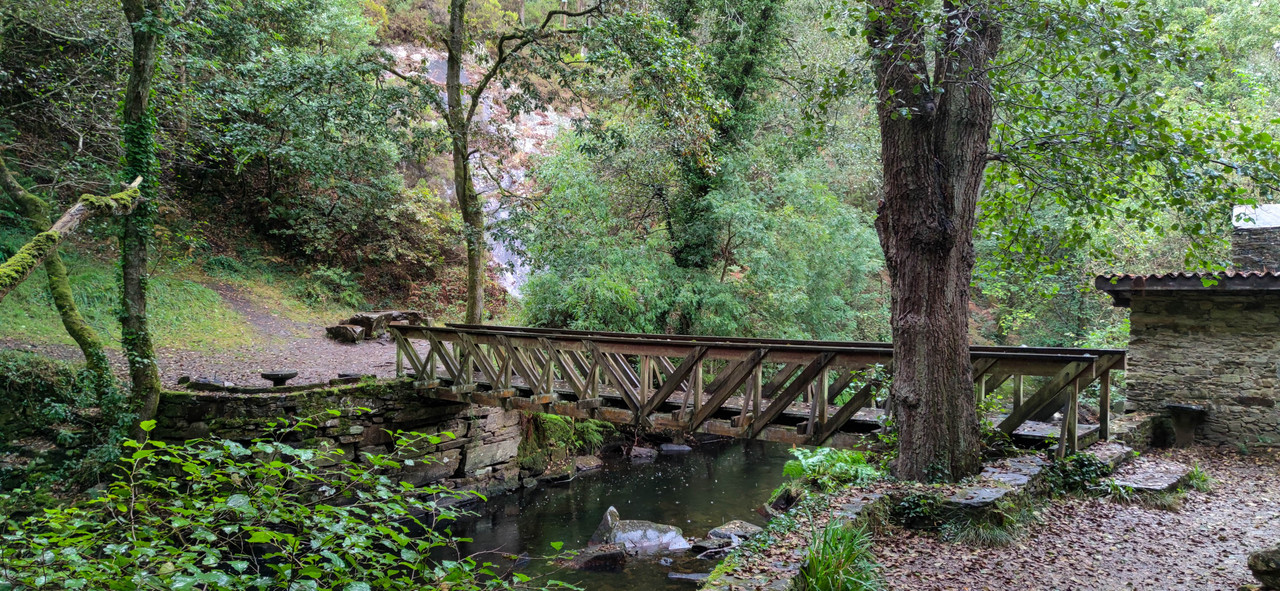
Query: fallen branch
<point x="15" y="270"/>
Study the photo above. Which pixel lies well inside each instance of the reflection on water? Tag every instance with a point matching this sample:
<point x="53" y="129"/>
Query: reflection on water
<point x="694" y="491"/>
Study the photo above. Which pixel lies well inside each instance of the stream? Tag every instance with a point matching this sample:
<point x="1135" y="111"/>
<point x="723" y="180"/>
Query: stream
<point x="695" y="491"/>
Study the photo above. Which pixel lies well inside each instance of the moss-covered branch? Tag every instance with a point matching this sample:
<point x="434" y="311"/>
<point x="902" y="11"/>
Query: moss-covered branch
<point x="19" y="266"/>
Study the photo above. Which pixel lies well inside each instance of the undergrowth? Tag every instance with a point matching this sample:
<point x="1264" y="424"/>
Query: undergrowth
<point x="839" y="558"/>
<point x="828" y="468"/>
<point x="59" y="428"/>
<point x="547" y="438"/>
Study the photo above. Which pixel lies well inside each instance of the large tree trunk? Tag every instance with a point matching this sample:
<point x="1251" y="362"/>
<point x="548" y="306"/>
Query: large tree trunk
<point x="934" y="130"/>
<point x="139" y="127"/>
<point x="464" y="188"/>
<point x="36" y="210"/>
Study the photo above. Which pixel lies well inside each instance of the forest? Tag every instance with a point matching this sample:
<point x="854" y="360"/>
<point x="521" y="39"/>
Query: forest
<point x="194" y="190"/>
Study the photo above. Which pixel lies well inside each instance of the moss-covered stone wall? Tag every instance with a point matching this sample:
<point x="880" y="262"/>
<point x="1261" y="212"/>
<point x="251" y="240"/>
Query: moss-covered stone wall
<point x="480" y="456"/>
<point x="1218" y="351"/>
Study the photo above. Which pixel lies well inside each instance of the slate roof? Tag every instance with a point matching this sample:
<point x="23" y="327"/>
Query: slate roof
<point x="1122" y="287"/>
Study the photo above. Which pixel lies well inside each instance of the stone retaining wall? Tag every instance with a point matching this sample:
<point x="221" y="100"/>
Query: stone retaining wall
<point x="481" y="456"/>
<point x="1255" y="249"/>
<point x="1218" y="351"/>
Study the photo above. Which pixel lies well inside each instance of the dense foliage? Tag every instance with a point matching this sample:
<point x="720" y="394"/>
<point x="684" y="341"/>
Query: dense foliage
<point x="266" y="515"/>
<point x="273" y="116"/>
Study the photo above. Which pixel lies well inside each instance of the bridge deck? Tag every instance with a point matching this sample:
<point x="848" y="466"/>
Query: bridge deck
<point x="811" y="392"/>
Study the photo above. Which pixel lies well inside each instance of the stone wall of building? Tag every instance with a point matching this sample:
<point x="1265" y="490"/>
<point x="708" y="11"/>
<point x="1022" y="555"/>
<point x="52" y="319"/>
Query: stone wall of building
<point x="1218" y="351"/>
<point x="481" y="455"/>
<point x="1255" y="249"/>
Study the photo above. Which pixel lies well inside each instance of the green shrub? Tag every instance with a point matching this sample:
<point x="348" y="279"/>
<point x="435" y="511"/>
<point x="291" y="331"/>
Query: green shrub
<point x="224" y="266"/>
<point x="830" y="468"/>
<point x="63" y="405"/>
<point x="1076" y="473"/>
<point x="546" y="434"/>
<point x="36" y="392"/>
<point x="923" y="510"/>
<point x="839" y="559"/>
<point x="218" y="515"/>
<point x="329" y="285"/>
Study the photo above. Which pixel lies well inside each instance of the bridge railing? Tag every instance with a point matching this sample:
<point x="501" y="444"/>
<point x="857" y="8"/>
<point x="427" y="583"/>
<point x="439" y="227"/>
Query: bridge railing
<point x="790" y="390"/>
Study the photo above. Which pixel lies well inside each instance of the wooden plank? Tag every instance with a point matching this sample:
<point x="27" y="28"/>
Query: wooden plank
<point x="790" y="393"/>
<point x="443" y="354"/>
<point x="838" y="387"/>
<point x="995" y="381"/>
<point x="1104" y="407"/>
<point x="520" y="364"/>
<point x="1047" y="394"/>
<point x="1102" y="364"/>
<point x="619" y="380"/>
<point x="981" y="367"/>
<point x="779" y="379"/>
<point x="846" y="412"/>
<point x="674" y="380"/>
<point x="646" y="379"/>
<point x="481" y="360"/>
<point x="726" y="384"/>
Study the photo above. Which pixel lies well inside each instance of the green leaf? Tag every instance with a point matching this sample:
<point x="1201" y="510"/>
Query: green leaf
<point x="147" y="426"/>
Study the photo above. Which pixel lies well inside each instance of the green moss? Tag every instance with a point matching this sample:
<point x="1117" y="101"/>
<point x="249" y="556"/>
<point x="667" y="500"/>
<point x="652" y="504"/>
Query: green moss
<point x="20" y="265"/>
<point x="122" y="200"/>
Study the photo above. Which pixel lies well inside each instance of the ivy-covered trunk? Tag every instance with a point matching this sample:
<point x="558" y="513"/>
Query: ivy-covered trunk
<point x="36" y="210"/>
<point x="464" y="188"/>
<point x="45" y="245"/>
<point x="935" y="127"/>
<point x="139" y="126"/>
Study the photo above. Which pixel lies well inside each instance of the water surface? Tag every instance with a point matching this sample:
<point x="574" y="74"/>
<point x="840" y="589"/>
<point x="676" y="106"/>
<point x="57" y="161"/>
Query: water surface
<point x="695" y="491"/>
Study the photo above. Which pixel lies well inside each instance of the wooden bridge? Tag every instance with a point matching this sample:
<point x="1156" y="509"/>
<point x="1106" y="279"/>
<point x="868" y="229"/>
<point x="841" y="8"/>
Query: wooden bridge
<point x="793" y="391"/>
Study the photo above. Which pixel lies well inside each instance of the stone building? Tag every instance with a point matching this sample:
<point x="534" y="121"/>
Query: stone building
<point x="1211" y="341"/>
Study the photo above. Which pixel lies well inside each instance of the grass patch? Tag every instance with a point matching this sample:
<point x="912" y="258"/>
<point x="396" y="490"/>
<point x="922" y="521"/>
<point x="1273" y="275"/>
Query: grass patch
<point x="1198" y="479"/>
<point x="182" y="313"/>
<point x="839" y="559"/>
<point x="998" y="528"/>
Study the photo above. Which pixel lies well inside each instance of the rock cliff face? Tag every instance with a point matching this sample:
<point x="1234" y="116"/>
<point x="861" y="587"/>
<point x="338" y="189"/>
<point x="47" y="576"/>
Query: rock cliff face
<point x="477" y="451"/>
<point x="507" y="144"/>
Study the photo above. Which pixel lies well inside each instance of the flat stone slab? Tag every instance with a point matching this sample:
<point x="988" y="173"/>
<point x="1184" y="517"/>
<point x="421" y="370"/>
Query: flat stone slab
<point x="1015" y="471"/>
<point x="855" y="507"/>
<point x="690" y="577"/>
<point x="1151" y="475"/>
<point x="1111" y="453"/>
<point x="736" y="528"/>
<point x="1039" y="431"/>
<point x="979" y="497"/>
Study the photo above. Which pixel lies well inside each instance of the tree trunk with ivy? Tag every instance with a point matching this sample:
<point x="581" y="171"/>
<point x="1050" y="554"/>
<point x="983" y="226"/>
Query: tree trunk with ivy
<point x="139" y="127"/>
<point x="36" y="210"/>
<point x="935" y="124"/>
<point x="463" y="186"/>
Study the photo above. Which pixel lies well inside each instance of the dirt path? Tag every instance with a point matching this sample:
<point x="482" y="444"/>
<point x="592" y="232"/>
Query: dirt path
<point x="278" y="344"/>
<point x="1096" y="544"/>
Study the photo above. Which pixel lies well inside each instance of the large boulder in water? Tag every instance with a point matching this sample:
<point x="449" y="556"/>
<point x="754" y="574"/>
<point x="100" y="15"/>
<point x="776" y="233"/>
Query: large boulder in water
<point x="1265" y="565"/>
<point x="636" y="536"/>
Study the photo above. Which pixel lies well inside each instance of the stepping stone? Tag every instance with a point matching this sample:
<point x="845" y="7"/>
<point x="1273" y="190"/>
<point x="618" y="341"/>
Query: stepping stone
<point x="690" y="577"/>
<point x="1151" y="475"/>
<point x="851" y="510"/>
<point x="1111" y="453"/>
<point x="736" y="528"/>
<point x="1015" y="471"/>
<point x="979" y="497"/>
